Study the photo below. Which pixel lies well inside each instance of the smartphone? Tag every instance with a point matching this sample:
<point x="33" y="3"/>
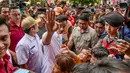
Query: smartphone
<point x="123" y="5"/>
<point x="42" y="9"/>
<point x="22" y="10"/>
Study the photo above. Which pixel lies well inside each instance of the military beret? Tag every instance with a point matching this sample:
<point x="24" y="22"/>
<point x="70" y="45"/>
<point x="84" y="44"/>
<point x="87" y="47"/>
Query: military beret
<point x="114" y="19"/>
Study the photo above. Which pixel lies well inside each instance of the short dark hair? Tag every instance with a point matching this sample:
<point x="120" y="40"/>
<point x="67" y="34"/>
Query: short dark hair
<point x="28" y="30"/>
<point x="61" y="18"/>
<point x="84" y="16"/>
<point x="38" y="13"/>
<point x="100" y="52"/>
<point x="110" y="8"/>
<point x="14" y="7"/>
<point x="109" y="65"/>
<point x="3" y="7"/>
<point x="3" y="22"/>
<point x="100" y="20"/>
<point x="81" y="68"/>
<point x="81" y="8"/>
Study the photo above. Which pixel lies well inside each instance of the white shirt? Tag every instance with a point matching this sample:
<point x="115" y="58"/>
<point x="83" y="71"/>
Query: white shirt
<point x="50" y="51"/>
<point x="29" y="51"/>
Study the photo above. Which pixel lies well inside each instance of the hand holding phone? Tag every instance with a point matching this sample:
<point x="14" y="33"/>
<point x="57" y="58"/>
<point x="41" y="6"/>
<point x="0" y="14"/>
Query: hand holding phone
<point x="123" y="46"/>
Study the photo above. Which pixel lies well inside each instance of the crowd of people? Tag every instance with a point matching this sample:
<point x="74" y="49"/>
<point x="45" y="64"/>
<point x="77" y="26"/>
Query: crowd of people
<point x="64" y="38"/>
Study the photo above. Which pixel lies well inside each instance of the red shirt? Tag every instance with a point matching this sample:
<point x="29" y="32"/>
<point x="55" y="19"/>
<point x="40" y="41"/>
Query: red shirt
<point x="16" y="34"/>
<point x="71" y="19"/>
<point x="91" y="24"/>
<point x="6" y="66"/>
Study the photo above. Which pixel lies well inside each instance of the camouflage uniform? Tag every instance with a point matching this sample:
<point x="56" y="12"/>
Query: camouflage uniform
<point x="83" y="40"/>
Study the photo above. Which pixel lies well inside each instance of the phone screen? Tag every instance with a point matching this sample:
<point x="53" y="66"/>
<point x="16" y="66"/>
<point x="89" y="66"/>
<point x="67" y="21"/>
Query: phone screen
<point x="123" y="5"/>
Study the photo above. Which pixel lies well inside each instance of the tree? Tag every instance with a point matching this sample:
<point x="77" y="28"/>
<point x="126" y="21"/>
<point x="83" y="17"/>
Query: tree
<point x="85" y="1"/>
<point x="104" y="2"/>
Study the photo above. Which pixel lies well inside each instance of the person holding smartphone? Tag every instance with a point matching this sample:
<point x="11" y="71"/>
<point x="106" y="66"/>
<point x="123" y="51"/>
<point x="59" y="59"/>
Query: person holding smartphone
<point x="113" y="21"/>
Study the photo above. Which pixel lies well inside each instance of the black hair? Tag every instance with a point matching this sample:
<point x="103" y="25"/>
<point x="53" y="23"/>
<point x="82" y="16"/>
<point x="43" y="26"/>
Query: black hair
<point x="61" y="18"/>
<point x="110" y="8"/>
<point x="3" y="7"/>
<point x="100" y="20"/>
<point x="28" y="30"/>
<point x="100" y="52"/>
<point x="84" y="16"/>
<point x="14" y="7"/>
<point x="42" y="10"/>
<point x="81" y="68"/>
<point x="81" y="8"/>
<point x="63" y="2"/>
<point x="3" y="22"/>
<point x="88" y="11"/>
<point x="39" y="12"/>
<point x="109" y="65"/>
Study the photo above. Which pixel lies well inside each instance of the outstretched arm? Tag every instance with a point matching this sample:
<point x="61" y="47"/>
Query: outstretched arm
<point x="51" y="26"/>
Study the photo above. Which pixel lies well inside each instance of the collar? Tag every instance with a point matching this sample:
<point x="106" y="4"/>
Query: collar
<point x="86" y="31"/>
<point x="5" y="58"/>
<point x="12" y="23"/>
<point x="104" y="32"/>
<point x="112" y="39"/>
<point x="30" y="37"/>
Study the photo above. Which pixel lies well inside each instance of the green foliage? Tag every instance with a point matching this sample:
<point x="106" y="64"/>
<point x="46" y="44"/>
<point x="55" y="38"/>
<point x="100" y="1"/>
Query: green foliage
<point x="85" y="1"/>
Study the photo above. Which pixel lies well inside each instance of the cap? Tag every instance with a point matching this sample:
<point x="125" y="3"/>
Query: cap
<point x="58" y="10"/>
<point x="28" y="22"/>
<point x="114" y="19"/>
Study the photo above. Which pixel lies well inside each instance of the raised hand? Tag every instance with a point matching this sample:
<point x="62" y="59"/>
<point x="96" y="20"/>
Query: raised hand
<point x="50" y="21"/>
<point x="51" y="26"/>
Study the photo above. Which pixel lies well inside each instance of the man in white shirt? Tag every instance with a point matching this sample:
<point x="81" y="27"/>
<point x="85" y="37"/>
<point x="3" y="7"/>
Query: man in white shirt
<point x="29" y="50"/>
<point x="53" y="46"/>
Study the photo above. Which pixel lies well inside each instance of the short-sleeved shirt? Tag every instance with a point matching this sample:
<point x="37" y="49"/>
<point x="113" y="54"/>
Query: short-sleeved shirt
<point x="16" y="34"/>
<point x="83" y="40"/>
<point x="29" y="51"/>
<point x="50" y="51"/>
